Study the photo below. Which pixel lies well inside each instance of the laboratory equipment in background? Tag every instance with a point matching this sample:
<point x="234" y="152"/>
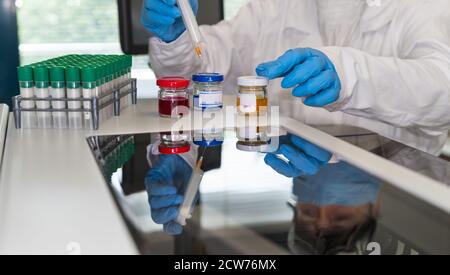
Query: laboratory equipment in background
<point x="252" y="97"/>
<point x="173" y="97"/>
<point x="190" y="21"/>
<point x="9" y="51"/>
<point x="208" y="91"/>
<point x="175" y="143"/>
<point x="74" y="91"/>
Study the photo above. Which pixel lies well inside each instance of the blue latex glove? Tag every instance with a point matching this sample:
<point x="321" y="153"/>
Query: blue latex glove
<point x="310" y="72"/>
<point x="165" y="183"/>
<point x="337" y="184"/>
<point x="163" y="18"/>
<point x="304" y="158"/>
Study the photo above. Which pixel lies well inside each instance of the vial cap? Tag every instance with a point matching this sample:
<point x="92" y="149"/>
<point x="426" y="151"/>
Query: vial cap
<point x="41" y="74"/>
<point x="57" y="74"/>
<point x="208" y="143"/>
<point x="73" y="74"/>
<point x="173" y="82"/>
<point x="174" y="150"/>
<point x="89" y="74"/>
<point x="253" y="81"/>
<point x="208" y="77"/>
<point x="262" y="148"/>
<point x="25" y="73"/>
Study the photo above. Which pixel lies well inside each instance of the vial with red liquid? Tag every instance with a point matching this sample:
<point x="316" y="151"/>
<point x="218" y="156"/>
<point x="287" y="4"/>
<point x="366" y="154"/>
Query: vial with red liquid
<point x="173" y="97"/>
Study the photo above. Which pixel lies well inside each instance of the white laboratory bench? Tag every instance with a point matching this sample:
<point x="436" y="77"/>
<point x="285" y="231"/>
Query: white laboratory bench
<point x="54" y="199"/>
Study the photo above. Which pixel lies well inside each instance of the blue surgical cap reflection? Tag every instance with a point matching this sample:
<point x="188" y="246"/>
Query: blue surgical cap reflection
<point x="337" y="184"/>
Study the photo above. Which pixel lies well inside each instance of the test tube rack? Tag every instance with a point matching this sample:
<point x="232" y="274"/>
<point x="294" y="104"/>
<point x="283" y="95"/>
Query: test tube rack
<point x="95" y="102"/>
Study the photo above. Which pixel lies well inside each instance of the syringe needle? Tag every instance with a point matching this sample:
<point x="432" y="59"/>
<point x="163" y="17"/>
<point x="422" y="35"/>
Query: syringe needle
<point x="198" y="51"/>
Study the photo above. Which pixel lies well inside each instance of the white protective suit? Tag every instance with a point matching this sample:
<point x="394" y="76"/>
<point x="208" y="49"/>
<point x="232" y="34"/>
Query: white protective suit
<point x="393" y="60"/>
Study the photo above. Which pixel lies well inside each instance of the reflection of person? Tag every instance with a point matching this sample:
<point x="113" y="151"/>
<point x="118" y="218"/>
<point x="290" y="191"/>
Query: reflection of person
<point x="336" y="209"/>
<point x="168" y="178"/>
<point x="165" y="183"/>
<point x="383" y="64"/>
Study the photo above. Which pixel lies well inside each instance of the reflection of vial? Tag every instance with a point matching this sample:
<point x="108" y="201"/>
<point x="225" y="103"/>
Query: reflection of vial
<point x="73" y="79"/>
<point x="26" y="82"/>
<point x="41" y="78"/>
<point x="174" y="143"/>
<point x="252" y="97"/>
<point x="253" y="139"/>
<point x="58" y="91"/>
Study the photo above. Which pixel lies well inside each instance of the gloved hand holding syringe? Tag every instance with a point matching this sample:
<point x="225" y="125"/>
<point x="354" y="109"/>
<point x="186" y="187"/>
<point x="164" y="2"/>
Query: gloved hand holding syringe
<point x="186" y="207"/>
<point x="192" y="26"/>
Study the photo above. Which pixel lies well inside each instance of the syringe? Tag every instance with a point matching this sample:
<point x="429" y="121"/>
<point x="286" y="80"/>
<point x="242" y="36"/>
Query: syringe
<point x="191" y="25"/>
<point x="191" y="192"/>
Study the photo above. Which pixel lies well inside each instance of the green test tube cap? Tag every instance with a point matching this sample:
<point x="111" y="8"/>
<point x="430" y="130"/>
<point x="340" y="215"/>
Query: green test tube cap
<point x="25" y="73"/>
<point x="41" y="74"/>
<point x="73" y="74"/>
<point x="57" y="77"/>
<point x="89" y="75"/>
<point x="57" y="74"/>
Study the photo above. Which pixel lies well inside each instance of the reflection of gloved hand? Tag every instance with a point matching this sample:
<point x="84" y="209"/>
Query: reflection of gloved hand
<point x="337" y="184"/>
<point x="163" y="18"/>
<point x="310" y="71"/>
<point x="304" y="158"/>
<point x="164" y="183"/>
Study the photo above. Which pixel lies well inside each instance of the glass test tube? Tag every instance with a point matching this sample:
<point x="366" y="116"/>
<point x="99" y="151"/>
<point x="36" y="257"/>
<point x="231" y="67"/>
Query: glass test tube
<point x="73" y="79"/>
<point x="58" y="91"/>
<point x="89" y="78"/>
<point x="41" y="77"/>
<point x="26" y="84"/>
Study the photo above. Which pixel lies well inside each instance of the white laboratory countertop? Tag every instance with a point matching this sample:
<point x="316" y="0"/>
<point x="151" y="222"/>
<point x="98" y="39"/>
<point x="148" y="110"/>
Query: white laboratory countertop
<point x="54" y="199"/>
<point x="53" y="196"/>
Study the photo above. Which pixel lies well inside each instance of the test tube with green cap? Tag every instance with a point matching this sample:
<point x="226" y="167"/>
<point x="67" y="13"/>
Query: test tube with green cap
<point x="26" y="83"/>
<point x="73" y="82"/>
<point x="89" y="77"/>
<point x="58" y="91"/>
<point x="110" y="86"/>
<point x="105" y="86"/>
<point x="42" y="83"/>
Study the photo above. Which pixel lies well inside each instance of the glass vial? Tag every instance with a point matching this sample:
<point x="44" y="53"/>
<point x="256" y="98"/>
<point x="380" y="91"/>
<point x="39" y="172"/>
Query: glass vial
<point x="208" y="91"/>
<point x="173" y="97"/>
<point x="89" y="77"/>
<point x="73" y="82"/>
<point x="26" y="83"/>
<point x="41" y="78"/>
<point x="252" y="97"/>
<point x="58" y="91"/>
